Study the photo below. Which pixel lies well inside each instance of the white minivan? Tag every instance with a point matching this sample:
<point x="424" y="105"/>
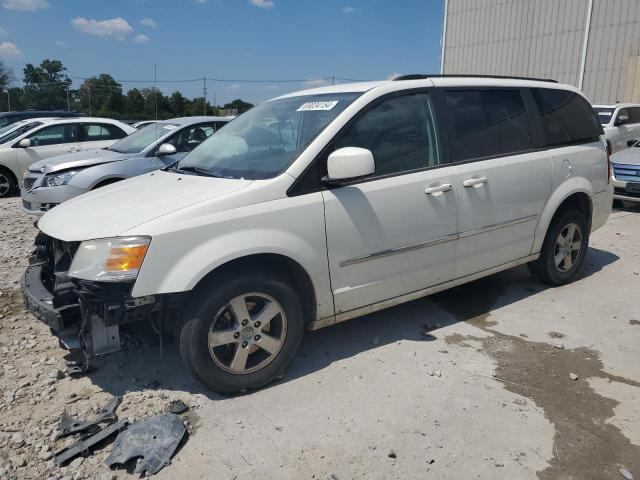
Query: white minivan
<point x="324" y="205"/>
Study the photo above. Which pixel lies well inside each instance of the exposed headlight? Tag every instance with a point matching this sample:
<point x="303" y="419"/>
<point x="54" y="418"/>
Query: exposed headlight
<point x="59" y="179"/>
<point x="109" y="259"/>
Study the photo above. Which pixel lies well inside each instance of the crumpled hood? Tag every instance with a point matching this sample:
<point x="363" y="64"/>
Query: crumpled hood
<point x="82" y="159"/>
<point x="628" y="156"/>
<point x="112" y="210"/>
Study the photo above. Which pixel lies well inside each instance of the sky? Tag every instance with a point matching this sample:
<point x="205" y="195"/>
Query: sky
<point x="306" y="40"/>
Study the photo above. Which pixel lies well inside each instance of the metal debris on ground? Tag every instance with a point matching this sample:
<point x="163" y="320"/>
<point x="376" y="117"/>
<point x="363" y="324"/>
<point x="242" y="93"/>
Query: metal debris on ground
<point x="152" y="441"/>
<point x="69" y="424"/>
<point x="177" y="407"/>
<point x="83" y="447"/>
<point x="625" y="473"/>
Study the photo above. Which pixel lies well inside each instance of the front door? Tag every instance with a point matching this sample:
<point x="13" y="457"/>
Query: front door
<point x="504" y="184"/>
<point x="394" y="232"/>
<point x="49" y="141"/>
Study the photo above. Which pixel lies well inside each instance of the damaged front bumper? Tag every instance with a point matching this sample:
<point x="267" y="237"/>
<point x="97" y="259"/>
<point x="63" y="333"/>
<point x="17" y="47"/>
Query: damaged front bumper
<point x="82" y="314"/>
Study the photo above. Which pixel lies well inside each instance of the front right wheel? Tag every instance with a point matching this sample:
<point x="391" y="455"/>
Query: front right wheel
<point x="241" y="331"/>
<point x="564" y="249"/>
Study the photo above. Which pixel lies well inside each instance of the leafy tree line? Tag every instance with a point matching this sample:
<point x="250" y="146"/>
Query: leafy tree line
<point x="47" y="87"/>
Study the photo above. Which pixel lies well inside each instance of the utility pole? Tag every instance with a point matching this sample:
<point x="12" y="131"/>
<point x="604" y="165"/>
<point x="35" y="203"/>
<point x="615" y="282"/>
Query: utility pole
<point x="68" y="108"/>
<point x="8" y="101"/>
<point x="333" y="80"/>
<point x="204" y="95"/>
<point x="89" y="87"/>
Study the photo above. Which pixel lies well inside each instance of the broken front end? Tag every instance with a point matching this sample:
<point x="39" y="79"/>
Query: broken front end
<point x="87" y="314"/>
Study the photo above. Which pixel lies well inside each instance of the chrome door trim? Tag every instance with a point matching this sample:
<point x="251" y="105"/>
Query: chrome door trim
<point x="497" y="226"/>
<point x="394" y="251"/>
<point x="435" y="241"/>
<point x="367" y="309"/>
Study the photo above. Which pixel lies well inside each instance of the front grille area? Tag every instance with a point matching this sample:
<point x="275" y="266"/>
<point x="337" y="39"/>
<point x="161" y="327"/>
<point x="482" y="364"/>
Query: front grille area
<point x="623" y="192"/>
<point x="55" y="256"/>
<point x="626" y="173"/>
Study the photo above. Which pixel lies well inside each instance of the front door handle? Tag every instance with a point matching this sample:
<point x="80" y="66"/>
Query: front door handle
<point x="472" y="182"/>
<point x="445" y="187"/>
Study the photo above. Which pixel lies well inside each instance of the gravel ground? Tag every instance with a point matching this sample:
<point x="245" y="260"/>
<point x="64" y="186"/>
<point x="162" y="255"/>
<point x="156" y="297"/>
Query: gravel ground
<point x="501" y="378"/>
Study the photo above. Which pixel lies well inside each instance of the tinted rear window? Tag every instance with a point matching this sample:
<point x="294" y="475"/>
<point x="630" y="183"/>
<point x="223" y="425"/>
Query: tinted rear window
<point x="566" y="117"/>
<point x="488" y="122"/>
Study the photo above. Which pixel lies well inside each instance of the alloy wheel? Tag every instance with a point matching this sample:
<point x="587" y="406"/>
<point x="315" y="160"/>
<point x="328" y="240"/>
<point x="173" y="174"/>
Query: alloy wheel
<point x="5" y="184"/>
<point x="568" y="247"/>
<point x="247" y="333"/>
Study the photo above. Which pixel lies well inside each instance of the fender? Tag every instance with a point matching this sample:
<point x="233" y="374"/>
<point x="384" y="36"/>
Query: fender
<point x="159" y="274"/>
<point x="559" y="195"/>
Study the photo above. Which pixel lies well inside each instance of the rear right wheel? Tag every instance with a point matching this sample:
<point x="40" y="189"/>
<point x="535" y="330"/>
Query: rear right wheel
<point x="564" y="249"/>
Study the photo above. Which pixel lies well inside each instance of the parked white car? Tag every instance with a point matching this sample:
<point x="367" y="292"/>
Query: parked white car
<point x="54" y="137"/>
<point x="621" y="124"/>
<point x="626" y="174"/>
<point x="321" y="206"/>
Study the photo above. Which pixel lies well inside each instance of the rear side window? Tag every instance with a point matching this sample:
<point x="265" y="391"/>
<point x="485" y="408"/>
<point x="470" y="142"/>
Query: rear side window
<point x="93" y="132"/>
<point x="488" y="123"/>
<point x="399" y="132"/>
<point x="566" y="117"/>
<point x="634" y="115"/>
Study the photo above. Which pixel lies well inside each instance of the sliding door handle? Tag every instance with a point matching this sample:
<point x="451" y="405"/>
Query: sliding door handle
<point x="445" y="187"/>
<point x="472" y="182"/>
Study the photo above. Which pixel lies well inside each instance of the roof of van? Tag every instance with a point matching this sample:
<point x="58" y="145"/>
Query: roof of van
<point x="437" y="80"/>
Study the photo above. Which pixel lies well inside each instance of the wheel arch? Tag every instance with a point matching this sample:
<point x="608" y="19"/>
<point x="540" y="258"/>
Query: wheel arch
<point x="575" y="195"/>
<point x="103" y="182"/>
<point x="284" y="267"/>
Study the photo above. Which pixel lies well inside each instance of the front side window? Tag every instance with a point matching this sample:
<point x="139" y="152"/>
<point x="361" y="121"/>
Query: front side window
<point x="93" y="132"/>
<point x="189" y="138"/>
<point x="54" y="135"/>
<point x="142" y="138"/>
<point x="566" y="117"/>
<point x="488" y="123"/>
<point x="265" y="141"/>
<point x="400" y="133"/>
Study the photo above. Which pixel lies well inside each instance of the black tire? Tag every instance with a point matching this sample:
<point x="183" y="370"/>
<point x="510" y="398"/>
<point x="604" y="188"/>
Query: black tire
<point x="200" y="314"/>
<point x="8" y="183"/>
<point x="545" y="268"/>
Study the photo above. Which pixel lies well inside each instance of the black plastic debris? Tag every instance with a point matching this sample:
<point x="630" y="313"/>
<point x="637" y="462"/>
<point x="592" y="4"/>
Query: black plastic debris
<point x="69" y="424"/>
<point x="152" y="440"/>
<point x="83" y="447"/>
<point x="177" y="407"/>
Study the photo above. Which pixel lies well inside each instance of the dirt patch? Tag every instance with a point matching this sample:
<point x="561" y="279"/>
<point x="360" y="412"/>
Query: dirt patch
<point x="634" y="322"/>
<point x="556" y="335"/>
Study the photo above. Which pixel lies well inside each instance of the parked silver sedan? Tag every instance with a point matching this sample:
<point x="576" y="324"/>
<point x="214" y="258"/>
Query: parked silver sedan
<point x="50" y="182"/>
<point x="626" y="174"/>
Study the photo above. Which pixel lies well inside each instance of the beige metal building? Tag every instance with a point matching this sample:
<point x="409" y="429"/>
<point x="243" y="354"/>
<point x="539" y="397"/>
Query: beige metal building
<point x="592" y="44"/>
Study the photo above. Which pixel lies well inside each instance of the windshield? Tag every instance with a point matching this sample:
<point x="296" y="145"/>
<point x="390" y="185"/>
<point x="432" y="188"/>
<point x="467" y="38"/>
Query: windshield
<point x="604" y="114"/>
<point x="264" y="141"/>
<point x="141" y="139"/>
<point x="11" y="132"/>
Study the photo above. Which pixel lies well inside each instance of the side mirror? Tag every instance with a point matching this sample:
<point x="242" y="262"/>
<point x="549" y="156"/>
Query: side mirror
<point x="25" y="143"/>
<point x="166" y="149"/>
<point x="350" y="163"/>
<point x="622" y="119"/>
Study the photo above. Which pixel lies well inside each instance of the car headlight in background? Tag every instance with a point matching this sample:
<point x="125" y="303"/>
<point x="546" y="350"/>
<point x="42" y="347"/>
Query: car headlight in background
<point x="109" y="259"/>
<point x="59" y="179"/>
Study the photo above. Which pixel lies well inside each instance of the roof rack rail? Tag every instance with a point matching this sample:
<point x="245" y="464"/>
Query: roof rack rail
<point x="419" y="76"/>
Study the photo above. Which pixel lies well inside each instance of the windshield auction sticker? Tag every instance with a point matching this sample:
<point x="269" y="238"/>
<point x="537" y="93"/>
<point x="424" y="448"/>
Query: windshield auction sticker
<point x="311" y="106"/>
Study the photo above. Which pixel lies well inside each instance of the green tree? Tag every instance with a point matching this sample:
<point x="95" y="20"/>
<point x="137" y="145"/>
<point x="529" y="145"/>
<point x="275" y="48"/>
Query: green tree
<point x="177" y="104"/>
<point x="45" y="86"/>
<point x="102" y="96"/>
<point x="134" y="105"/>
<point x="240" y="105"/>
